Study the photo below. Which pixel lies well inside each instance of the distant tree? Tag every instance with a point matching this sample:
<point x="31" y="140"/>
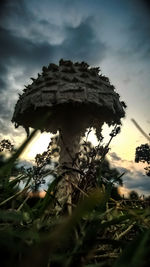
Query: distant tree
<point x="143" y="155"/>
<point x="5" y="144"/>
<point x="115" y="194"/>
<point x="133" y="195"/>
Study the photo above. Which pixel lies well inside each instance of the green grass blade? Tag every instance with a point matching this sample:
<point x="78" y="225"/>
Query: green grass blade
<point x="137" y="252"/>
<point x="5" y="169"/>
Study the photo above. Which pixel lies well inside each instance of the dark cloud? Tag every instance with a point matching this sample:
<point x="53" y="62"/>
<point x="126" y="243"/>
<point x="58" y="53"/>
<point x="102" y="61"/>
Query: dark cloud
<point x="82" y="44"/>
<point x="4" y="126"/>
<point x="124" y="170"/>
<point x="137" y="32"/>
<point x="137" y="181"/>
<point x="3" y="75"/>
<point x="4" y="110"/>
<point x="114" y="156"/>
<point x="134" y="179"/>
<point x="2" y="83"/>
<point x="145" y="3"/>
<point x="22" y="52"/>
<point x="140" y="42"/>
<point x="22" y="55"/>
<point x="15" y="9"/>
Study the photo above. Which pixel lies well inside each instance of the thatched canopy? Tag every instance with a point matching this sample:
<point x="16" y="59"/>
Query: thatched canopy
<point x="76" y="96"/>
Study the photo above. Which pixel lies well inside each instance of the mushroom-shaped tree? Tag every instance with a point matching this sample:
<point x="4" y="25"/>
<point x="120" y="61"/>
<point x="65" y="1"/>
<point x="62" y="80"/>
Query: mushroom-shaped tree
<point x="76" y="96"/>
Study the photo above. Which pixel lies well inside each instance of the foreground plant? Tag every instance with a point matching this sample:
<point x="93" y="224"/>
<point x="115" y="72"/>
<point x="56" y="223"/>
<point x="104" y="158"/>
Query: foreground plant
<point x="101" y="231"/>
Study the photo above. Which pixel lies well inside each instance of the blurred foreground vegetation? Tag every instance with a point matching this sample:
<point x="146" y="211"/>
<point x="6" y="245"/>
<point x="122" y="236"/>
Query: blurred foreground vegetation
<point x="102" y="229"/>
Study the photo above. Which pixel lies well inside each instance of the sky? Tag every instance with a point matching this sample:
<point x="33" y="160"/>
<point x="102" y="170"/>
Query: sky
<point x="111" y="34"/>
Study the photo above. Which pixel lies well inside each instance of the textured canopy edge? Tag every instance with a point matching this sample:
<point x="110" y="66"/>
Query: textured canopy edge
<point x="70" y="88"/>
<point x="33" y="117"/>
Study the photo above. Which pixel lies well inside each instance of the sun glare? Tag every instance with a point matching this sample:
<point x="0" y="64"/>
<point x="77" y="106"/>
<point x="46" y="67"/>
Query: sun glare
<point x="41" y="141"/>
<point x="123" y="144"/>
<point x="37" y="146"/>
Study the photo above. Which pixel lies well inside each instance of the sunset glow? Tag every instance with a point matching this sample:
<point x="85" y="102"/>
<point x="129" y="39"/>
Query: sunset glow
<point x="38" y="145"/>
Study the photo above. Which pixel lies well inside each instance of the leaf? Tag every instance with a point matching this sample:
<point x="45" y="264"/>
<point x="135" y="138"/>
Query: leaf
<point x="5" y="169"/>
<point x="13" y="216"/>
<point x="60" y="237"/>
<point x="137" y="252"/>
<point x="42" y="205"/>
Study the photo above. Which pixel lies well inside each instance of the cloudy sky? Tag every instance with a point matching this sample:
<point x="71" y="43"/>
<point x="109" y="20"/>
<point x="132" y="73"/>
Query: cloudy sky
<point x="111" y="34"/>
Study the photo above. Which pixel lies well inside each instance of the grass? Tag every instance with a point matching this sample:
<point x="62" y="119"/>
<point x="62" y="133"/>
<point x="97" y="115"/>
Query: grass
<point x="102" y="229"/>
